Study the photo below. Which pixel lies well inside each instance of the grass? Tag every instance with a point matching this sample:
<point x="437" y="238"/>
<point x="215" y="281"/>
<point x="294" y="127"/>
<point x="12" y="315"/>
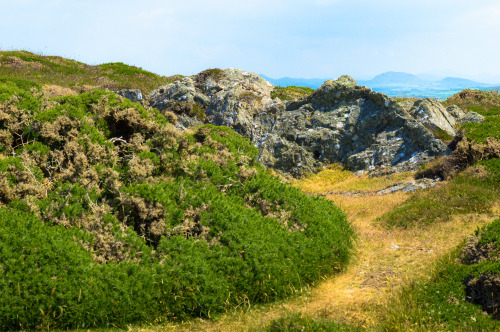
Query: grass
<point x="442" y="302"/>
<point x="486" y="103"/>
<point x="290" y="92"/>
<point x="438" y="303"/>
<point x="53" y="70"/>
<point x="472" y="191"/>
<point x="297" y="322"/>
<point x="336" y="179"/>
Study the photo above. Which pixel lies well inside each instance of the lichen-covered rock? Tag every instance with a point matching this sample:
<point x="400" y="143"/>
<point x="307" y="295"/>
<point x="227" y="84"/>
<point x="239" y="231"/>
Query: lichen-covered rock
<point x="134" y="95"/>
<point x="433" y="115"/>
<point x="339" y="122"/>
<point x="471" y="117"/>
<point x="346" y="123"/>
<point x="455" y="112"/>
<point x="461" y="117"/>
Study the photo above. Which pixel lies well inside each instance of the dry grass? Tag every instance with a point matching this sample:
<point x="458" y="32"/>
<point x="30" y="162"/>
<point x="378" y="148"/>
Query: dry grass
<point x="337" y="180"/>
<point x="385" y="260"/>
<point x="58" y="91"/>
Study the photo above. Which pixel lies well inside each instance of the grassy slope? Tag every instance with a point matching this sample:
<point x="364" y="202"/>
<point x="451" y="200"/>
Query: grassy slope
<point x="109" y="215"/>
<point x="54" y="70"/>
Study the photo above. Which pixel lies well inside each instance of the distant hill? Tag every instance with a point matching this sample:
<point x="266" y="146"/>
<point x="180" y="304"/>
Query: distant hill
<point x="457" y="82"/>
<point x="313" y="83"/>
<point x="397" y="84"/>
<point x="393" y="78"/>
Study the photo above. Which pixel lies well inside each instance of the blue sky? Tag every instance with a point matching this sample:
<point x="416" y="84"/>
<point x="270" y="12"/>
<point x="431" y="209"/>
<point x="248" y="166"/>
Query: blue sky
<point x="315" y="38"/>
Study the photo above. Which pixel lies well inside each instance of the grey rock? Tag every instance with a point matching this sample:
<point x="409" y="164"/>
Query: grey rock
<point x="410" y="186"/>
<point x="340" y="122"/>
<point x="455" y="112"/>
<point x="134" y="95"/>
<point x="461" y="117"/>
<point x="433" y="115"/>
<point x="471" y="117"/>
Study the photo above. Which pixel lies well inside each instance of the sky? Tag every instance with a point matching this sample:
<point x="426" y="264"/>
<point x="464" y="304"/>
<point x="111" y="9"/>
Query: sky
<point x="277" y="38"/>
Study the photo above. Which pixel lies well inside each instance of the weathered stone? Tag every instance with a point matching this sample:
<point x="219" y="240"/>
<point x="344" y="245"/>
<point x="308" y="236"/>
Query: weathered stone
<point x="471" y="117"/>
<point x="455" y="112"/>
<point x="132" y="94"/>
<point x="339" y="122"/>
<point x="432" y="114"/>
<point x="461" y="117"/>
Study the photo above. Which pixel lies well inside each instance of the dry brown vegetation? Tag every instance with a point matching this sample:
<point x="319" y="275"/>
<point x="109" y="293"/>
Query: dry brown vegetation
<point x="467" y="98"/>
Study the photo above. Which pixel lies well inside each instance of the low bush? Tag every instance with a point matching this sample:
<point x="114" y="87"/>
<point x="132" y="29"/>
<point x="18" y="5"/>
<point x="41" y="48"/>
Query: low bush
<point x="109" y="216"/>
<point x="78" y="76"/>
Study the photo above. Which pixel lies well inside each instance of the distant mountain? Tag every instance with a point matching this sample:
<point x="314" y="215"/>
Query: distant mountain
<point x="457" y="82"/>
<point x="392" y="78"/>
<point x="397" y="84"/>
<point x="313" y="83"/>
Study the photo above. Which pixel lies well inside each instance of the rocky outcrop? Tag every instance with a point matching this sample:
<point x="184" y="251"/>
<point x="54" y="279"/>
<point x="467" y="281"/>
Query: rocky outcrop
<point x="339" y="122"/>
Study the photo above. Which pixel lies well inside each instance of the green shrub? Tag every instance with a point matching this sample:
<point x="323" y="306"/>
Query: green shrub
<point x="78" y="76"/>
<point x="119" y="68"/>
<point x="120" y="218"/>
<point x="478" y="132"/>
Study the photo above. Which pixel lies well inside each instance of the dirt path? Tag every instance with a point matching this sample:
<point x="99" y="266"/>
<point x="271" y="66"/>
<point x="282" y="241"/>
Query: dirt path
<point x="383" y="262"/>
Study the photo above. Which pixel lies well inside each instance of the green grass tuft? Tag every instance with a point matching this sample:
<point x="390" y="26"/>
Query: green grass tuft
<point x="290" y="92"/>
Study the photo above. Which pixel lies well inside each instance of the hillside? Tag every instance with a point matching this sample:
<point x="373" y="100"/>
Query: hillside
<point x="221" y="202"/>
<point x="77" y="76"/>
<point x="110" y="215"/>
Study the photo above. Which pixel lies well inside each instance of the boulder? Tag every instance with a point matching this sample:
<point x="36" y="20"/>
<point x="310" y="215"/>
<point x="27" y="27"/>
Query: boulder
<point x="471" y="117"/>
<point x="461" y="117"/>
<point x="133" y="94"/>
<point x="433" y="115"/>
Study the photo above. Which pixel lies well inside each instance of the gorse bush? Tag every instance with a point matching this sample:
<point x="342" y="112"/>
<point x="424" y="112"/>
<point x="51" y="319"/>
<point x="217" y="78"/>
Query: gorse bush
<point x="109" y="215"/>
